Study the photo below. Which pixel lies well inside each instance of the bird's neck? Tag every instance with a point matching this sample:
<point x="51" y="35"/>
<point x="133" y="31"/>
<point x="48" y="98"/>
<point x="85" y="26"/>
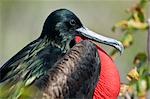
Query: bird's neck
<point x="59" y="42"/>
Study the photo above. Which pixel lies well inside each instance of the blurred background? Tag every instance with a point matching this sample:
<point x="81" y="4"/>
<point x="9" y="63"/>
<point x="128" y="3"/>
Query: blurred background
<point x="21" y="22"/>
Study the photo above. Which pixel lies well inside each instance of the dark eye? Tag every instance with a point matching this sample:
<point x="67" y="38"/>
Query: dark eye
<point x="72" y="22"/>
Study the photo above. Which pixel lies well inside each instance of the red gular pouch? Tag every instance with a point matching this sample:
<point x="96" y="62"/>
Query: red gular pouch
<point x="108" y="86"/>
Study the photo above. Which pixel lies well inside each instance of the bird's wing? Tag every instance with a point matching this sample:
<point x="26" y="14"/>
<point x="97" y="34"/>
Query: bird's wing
<point x="74" y="76"/>
<point x="25" y="67"/>
<point x="10" y="68"/>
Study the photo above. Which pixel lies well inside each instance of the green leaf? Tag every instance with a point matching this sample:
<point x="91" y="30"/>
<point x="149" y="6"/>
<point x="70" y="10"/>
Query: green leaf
<point x="141" y="87"/>
<point x="127" y="40"/>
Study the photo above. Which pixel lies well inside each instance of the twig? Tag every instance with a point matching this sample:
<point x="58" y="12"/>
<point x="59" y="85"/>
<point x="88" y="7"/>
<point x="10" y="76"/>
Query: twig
<point x="148" y="42"/>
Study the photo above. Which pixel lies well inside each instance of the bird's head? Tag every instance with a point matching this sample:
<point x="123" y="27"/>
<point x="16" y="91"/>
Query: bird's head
<point x="63" y="26"/>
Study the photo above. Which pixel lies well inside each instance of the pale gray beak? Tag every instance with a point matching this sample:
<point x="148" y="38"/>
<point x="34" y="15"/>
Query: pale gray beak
<point x="100" y="39"/>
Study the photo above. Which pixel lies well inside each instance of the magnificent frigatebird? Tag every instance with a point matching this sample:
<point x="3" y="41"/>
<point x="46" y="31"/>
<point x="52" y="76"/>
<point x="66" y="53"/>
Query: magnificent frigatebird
<point x="39" y="63"/>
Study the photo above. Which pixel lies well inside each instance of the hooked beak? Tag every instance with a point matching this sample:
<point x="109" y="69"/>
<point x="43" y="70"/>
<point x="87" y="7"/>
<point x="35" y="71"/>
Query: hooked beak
<point x="100" y="39"/>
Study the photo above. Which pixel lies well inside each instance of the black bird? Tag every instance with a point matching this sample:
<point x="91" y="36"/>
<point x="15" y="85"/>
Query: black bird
<point x="39" y="62"/>
<point x="73" y="76"/>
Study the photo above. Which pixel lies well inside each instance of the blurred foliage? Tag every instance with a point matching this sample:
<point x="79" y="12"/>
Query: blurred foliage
<point x="139" y="77"/>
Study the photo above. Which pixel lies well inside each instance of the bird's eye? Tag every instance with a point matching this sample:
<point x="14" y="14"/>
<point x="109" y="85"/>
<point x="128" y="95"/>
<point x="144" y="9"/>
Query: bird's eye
<point x="72" y="22"/>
